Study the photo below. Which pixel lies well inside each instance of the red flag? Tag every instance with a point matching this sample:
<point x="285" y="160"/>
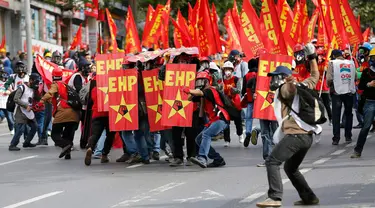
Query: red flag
<point x="233" y="38"/>
<point x="215" y="28"/>
<point x="359" y="21"/>
<point x="152" y="34"/>
<point x="154" y="98"/>
<point x="132" y="43"/>
<point x="77" y="39"/>
<point x="112" y="31"/>
<point x="337" y="25"/>
<point x="177" y="110"/>
<point x="165" y="25"/>
<point x="123" y="102"/>
<point x="99" y="44"/>
<point x="250" y="34"/>
<point x="104" y="64"/>
<point x="148" y="21"/>
<point x="192" y="24"/>
<point x="310" y="28"/>
<point x="286" y="20"/>
<point x="366" y="35"/>
<point x="295" y="31"/>
<point x="263" y="105"/>
<point x="45" y="69"/>
<point x="177" y="35"/>
<point x="2" y="45"/>
<point x="186" y="39"/>
<point x="351" y="26"/>
<point x="271" y="30"/>
<point x="236" y="16"/>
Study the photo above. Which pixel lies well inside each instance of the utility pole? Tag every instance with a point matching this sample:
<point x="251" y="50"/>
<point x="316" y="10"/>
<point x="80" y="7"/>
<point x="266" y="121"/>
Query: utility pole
<point x="28" y="35"/>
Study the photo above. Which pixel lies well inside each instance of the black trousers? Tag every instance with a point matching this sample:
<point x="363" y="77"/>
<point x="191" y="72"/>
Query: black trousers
<point x="97" y="127"/>
<point x="327" y="104"/>
<point x="63" y="133"/>
<point x="47" y="120"/>
<point x="178" y="142"/>
<point x="239" y="130"/>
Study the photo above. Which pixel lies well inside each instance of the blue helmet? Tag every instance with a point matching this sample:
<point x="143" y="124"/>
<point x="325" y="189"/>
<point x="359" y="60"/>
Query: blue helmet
<point x="367" y="46"/>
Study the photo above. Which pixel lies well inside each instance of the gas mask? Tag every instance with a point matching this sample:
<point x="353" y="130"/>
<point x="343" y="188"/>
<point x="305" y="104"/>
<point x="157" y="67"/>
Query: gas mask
<point x="86" y="70"/>
<point x="300" y="57"/>
<point x="35" y="84"/>
<point x="277" y="81"/>
<point x="205" y="65"/>
<point x="48" y="59"/>
<point x="200" y="84"/>
<point x="321" y="59"/>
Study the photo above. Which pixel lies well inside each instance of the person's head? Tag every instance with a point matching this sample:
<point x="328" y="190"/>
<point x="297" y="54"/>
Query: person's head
<point x="7" y="54"/>
<point x="321" y="55"/>
<point x="23" y="56"/>
<point x="253" y="64"/>
<point x="34" y="81"/>
<point x="56" y="58"/>
<point x="278" y="77"/>
<point x="235" y="57"/>
<point x="57" y="74"/>
<point x="347" y="54"/>
<point x="299" y="54"/>
<point x="150" y="64"/>
<point x="4" y="76"/>
<point x="48" y="56"/>
<point x="203" y="80"/>
<point x="184" y="58"/>
<point x="84" y="67"/>
<point x="20" y="69"/>
<point x="336" y="54"/>
<point x="363" y="52"/>
<point x="213" y="68"/>
<point x="372" y="58"/>
<point x="228" y="69"/>
<point x="315" y="42"/>
<point x="205" y="62"/>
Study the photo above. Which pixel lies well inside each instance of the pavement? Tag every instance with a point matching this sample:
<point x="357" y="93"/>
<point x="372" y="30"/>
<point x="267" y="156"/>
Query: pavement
<point x="35" y="178"/>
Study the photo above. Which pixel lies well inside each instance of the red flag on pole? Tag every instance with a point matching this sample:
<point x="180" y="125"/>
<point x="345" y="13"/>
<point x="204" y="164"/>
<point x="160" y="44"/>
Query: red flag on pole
<point x="112" y="30"/>
<point x="77" y="39"/>
<point x="132" y="43"/>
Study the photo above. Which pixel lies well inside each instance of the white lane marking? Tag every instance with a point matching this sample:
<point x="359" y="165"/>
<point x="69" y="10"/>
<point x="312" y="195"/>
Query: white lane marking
<point x="6" y="134"/>
<point x="149" y="194"/>
<point x="21" y="159"/>
<point x="352" y="193"/>
<point x="338" y="152"/>
<point x="350" y="145"/>
<point x="305" y="170"/>
<point x="252" y="197"/>
<point x="33" y="199"/>
<point x="211" y="193"/>
<point x="188" y="199"/>
<point x="135" y="166"/>
<point x="321" y="161"/>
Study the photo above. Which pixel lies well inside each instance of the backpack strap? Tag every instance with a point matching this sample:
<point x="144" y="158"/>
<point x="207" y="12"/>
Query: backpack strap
<point x="287" y="104"/>
<point x="220" y="103"/>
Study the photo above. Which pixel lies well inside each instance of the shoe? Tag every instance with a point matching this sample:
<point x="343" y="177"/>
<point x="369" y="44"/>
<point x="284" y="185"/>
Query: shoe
<point x="359" y="126"/>
<point x="49" y="133"/>
<point x="38" y="143"/>
<point x="104" y="159"/>
<point x="355" y="155"/>
<point x="335" y="141"/>
<point x="97" y="157"/>
<point x="269" y="203"/>
<point x="134" y="158"/>
<point x="188" y="162"/>
<point x="45" y="143"/>
<point x="12" y="132"/>
<point x="156" y="155"/>
<point x="330" y="123"/>
<point x="14" y="148"/>
<point x="226" y="144"/>
<point x="68" y="156"/>
<point x="254" y="136"/>
<point x="241" y="139"/>
<point x="247" y="140"/>
<point x="146" y="162"/>
<point x="88" y="156"/>
<point x="123" y="158"/>
<point x="176" y="162"/>
<point x="303" y="203"/>
<point x="348" y="140"/>
<point x="342" y="126"/>
<point x="28" y="144"/>
<point x="65" y="150"/>
<point x="216" y="164"/>
<point x="200" y="161"/>
<point x="261" y="165"/>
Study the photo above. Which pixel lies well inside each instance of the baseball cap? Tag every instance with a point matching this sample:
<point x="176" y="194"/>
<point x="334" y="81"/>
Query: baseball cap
<point x="280" y="70"/>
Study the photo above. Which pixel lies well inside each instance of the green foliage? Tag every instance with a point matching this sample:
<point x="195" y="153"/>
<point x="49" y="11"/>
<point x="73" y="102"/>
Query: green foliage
<point x="366" y="9"/>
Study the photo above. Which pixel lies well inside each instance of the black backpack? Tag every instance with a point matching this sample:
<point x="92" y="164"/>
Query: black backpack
<point x="311" y="107"/>
<point x="233" y="112"/>
<point x="11" y="105"/>
<point x="73" y="98"/>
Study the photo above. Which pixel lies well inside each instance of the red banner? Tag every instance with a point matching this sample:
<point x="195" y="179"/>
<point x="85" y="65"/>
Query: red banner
<point x="165" y="25"/>
<point x="286" y="20"/>
<point x="263" y="105"/>
<point x="154" y="98"/>
<point x="295" y="31"/>
<point x="112" y="30"/>
<point x="77" y="38"/>
<point x="151" y="34"/>
<point x="233" y="37"/>
<point x="338" y="26"/>
<point x="123" y="102"/>
<point x="91" y="10"/>
<point x="104" y="64"/>
<point x="177" y="110"/>
<point x="310" y="28"/>
<point x="132" y="43"/>
<point x="352" y="28"/>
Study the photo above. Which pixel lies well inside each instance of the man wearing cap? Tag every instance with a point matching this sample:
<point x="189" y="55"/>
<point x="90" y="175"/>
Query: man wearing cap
<point x="295" y="137"/>
<point x="341" y="78"/>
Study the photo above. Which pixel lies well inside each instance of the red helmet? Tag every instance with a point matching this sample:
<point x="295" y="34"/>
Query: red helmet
<point x="261" y="51"/>
<point x="204" y="75"/>
<point x="205" y="58"/>
<point x="57" y="73"/>
<point x="298" y="48"/>
<point x="320" y="51"/>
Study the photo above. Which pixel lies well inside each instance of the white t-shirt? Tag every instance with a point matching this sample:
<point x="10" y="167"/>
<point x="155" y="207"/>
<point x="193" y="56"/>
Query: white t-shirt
<point x="3" y="96"/>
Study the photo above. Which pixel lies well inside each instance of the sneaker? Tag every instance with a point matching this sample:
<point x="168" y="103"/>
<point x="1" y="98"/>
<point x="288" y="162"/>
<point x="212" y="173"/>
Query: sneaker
<point x="28" y="144"/>
<point x="254" y="136"/>
<point x="65" y="150"/>
<point x="261" y="165"/>
<point x="241" y="139"/>
<point x="146" y="162"/>
<point x="156" y="155"/>
<point x="104" y="159"/>
<point x="216" y="164"/>
<point x="134" y="158"/>
<point x="247" y="140"/>
<point x="355" y="155"/>
<point x="199" y="161"/>
<point x="14" y="148"/>
<point x="330" y="123"/>
<point x="97" y="157"/>
<point x="188" y="162"/>
<point x="269" y="203"/>
<point x="49" y="133"/>
<point x="348" y="140"/>
<point x="176" y="162"/>
<point x="335" y="141"/>
<point x="68" y="156"/>
<point x="303" y="203"/>
<point x="359" y="126"/>
<point x="12" y="132"/>
<point x="226" y="144"/>
<point x="88" y="157"/>
<point x="123" y="158"/>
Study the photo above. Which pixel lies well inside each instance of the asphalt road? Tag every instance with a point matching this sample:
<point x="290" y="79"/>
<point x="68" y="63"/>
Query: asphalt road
<point x="35" y="178"/>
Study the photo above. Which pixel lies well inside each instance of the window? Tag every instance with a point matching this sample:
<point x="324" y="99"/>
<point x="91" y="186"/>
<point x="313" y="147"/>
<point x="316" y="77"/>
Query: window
<point x="51" y="29"/>
<point x="35" y="24"/>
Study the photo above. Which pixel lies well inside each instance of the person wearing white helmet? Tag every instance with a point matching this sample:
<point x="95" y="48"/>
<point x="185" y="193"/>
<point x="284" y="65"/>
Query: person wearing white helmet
<point x="217" y="79"/>
<point x="232" y="89"/>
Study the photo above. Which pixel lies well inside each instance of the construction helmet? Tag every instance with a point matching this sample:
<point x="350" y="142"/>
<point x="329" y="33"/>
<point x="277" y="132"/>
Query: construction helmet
<point x="57" y="74"/>
<point x="372" y="52"/>
<point x="298" y="48"/>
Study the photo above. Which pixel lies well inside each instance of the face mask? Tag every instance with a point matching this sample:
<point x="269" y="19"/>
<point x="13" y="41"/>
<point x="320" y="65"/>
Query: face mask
<point x="276" y="82"/>
<point x="34" y="85"/>
<point x="320" y="59"/>
<point x="48" y="59"/>
<point x="228" y="73"/>
<point x="21" y="75"/>
<point x="300" y="57"/>
<point x="205" y="65"/>
<point x="200" y="84"/>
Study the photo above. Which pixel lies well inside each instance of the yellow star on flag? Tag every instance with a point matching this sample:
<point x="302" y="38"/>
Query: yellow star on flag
<point x="156" y="107"/>
<point x="123" y="110"/>
<point x="177" y="105"/>
<point x="266" y="104"/>
<point x="105" y="91"/>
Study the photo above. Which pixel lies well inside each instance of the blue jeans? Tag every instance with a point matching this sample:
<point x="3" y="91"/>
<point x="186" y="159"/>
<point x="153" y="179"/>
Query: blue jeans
<point x="267" y="128"/>
<point x="130" y="144"/>
<point x="142" y="138"/>
<point x="204" y="140"/>
<point x="9" y="117"/>
<point x="156" y="138"/>
<point x="20" y="129"/>
<point x="166" y="137"/>
<point x="249" y="118"/>
<point x="369" y="111"/>
<point x="100" y="145"/>
<point x="39" y="116"/>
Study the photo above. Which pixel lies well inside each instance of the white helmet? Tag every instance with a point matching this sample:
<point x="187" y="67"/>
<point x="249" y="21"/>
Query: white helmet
<point x="214" y="66"/>
<point x="228" y="64"/>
